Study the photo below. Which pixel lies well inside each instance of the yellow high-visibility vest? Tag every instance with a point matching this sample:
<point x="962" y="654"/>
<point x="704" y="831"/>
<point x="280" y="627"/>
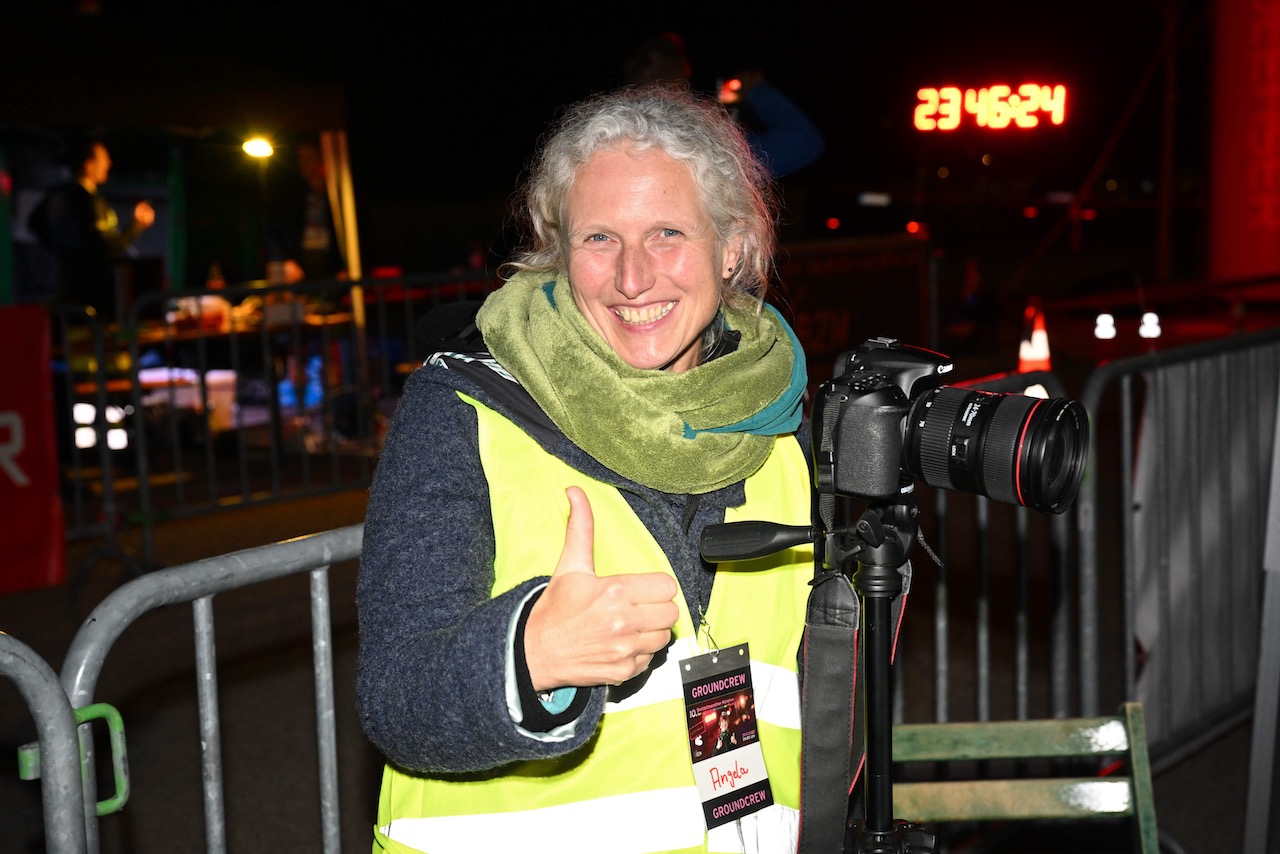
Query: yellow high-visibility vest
<point x="631" y="787"/>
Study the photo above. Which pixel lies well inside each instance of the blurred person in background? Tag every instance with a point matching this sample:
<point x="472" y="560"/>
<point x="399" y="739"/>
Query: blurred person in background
<point x="782" y="136"/>
<point x="83" y="232"/>
<point x="301" y="236"/>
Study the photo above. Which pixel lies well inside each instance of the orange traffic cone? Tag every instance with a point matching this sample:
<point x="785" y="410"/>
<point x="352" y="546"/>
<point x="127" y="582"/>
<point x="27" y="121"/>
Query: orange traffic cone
<point x="1033" y="353"/>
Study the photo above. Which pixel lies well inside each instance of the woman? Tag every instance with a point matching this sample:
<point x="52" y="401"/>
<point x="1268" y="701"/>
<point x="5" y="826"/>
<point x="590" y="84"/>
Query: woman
<point x="531" y="595"/>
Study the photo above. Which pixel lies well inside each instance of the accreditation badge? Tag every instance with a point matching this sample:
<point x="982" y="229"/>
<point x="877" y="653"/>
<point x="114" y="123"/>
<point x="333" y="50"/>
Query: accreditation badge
<point x="724" y="738"/>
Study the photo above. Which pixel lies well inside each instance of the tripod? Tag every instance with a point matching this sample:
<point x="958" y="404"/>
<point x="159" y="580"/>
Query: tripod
<point x="879" y="541"/>
<point x="871" y="554"/>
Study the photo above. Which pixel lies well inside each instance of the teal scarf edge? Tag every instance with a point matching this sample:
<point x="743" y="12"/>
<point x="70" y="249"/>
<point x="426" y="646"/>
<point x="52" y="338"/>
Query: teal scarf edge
<point x="784" y="414"/>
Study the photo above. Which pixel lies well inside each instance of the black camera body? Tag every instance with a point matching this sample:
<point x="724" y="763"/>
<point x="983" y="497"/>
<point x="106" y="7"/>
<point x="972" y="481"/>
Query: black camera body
<point x="886" y="419"/>
<point x="860" y="413"/>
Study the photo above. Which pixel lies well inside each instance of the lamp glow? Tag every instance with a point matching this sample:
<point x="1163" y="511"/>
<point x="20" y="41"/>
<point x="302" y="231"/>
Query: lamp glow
<point x="258" y="147"/>
<point x="1105" y="327"/>
<point x="86" y="438"/>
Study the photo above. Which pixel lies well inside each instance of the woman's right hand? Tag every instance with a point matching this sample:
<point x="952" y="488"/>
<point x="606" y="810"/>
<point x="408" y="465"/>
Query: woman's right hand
<point x="587" y="630"/>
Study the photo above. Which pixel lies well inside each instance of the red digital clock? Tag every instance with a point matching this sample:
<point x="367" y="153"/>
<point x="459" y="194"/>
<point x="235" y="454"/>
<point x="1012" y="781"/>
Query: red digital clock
<point x="996" y="107"/>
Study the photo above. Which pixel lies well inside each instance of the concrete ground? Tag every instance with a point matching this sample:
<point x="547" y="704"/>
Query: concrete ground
<point x="268" y="718"/>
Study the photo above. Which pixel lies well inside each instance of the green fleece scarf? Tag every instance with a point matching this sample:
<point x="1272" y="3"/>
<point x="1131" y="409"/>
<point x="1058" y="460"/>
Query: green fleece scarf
<point x="689" y="432"/>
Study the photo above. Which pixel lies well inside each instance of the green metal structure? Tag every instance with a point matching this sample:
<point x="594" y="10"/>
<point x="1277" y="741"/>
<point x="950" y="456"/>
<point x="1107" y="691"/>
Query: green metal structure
<point x="1126" y="793"/>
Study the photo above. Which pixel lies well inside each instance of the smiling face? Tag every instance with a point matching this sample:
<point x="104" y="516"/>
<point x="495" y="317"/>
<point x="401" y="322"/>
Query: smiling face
<point x="645" y="264"/>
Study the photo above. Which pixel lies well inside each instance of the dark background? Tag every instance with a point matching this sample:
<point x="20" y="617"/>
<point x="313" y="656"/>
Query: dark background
<point x="444" y="104"/>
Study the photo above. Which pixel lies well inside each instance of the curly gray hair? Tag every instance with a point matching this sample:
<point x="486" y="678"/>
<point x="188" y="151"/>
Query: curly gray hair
<point x="734" y="185"/>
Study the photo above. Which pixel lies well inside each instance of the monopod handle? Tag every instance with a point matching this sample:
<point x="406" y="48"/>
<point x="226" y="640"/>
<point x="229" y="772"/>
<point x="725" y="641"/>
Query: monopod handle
<point x="730" y="541"/>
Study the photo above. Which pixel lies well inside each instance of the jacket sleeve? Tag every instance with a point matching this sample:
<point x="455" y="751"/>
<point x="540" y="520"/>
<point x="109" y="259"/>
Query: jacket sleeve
<point x="789" y="141"/>
<point x="431" y="685"/>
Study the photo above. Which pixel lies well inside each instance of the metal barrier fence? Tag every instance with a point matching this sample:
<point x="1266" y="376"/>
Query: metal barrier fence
<point x="81" y="376"/>
<point x="1162" y="604"/>
<point x="1034" y="640"/>
<point x="1189" y="503"/>
<point x="1192" y="504"/>
<point x="241" y="396"/>
<point x="198" y="583"/>
<point x="988" y="582"/>
<point x="91" y="438"/>
<point x="256" y="394"/>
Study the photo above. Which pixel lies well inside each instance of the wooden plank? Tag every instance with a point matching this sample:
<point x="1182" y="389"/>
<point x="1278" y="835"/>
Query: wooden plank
<point x="1019" y="800"/>
<point x="958" y="742"/>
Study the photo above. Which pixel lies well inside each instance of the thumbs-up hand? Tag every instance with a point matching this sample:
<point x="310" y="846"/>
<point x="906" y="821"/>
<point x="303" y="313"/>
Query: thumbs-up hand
<point x="586" y="630"/>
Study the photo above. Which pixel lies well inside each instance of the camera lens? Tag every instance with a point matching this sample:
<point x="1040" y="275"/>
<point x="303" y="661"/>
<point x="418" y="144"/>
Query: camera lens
<point x="1010" y="447"/>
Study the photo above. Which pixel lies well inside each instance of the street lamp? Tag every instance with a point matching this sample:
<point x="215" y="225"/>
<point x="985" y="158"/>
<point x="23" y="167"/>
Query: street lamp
<point x="258" y="146"/>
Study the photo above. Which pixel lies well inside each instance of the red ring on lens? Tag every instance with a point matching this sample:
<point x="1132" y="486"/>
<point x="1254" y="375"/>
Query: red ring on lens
<point x="1022" y="438"/>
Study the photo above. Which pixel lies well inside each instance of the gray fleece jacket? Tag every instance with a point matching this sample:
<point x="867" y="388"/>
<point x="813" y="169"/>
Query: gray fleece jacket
<point x="433" y="643"/>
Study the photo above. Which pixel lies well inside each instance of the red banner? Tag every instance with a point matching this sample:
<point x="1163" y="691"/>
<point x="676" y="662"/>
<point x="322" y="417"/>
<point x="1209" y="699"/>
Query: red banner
<point x="1244" y="228"/>
<point x="32" y="535"/>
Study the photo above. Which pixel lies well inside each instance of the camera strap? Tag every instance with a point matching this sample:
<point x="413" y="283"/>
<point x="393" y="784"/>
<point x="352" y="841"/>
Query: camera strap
<point x="833" y="739"/>
<point x="831" y="742"/>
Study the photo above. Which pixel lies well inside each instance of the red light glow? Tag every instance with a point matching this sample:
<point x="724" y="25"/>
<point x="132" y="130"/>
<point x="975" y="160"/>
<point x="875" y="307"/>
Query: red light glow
<point x="832" y="223"/>
<point x="913" y="227"/>
<point x="1031" y="212"/>
<point x="730" y="91"/>
<point x="996" y="107"/>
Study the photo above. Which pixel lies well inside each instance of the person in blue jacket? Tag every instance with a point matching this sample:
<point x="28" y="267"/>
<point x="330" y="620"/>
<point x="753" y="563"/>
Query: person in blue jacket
<point x="784" y="138"/>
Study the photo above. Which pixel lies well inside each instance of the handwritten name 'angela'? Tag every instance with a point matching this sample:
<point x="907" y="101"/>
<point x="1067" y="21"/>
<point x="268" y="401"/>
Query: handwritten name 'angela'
<point x="735" y="681"/>
<point x="728" y="778"/>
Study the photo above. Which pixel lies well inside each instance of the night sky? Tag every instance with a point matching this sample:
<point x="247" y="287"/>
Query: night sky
<point x="450" y="98"/>
<point x="445" y="102"/>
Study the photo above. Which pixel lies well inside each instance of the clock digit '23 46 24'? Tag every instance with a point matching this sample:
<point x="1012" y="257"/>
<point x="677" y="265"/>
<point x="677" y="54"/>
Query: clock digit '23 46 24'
<point x="999" y="106"/>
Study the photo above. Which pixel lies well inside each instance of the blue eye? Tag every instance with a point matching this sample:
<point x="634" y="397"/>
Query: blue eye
<point x="670" y="232"/>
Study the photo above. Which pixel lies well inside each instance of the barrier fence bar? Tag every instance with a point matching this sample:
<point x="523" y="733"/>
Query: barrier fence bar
<point x="1266" y="702"/>
<point x="59" y="758"/>
<point x="326" y="720"/>
<point x="215" y="823"/>
<point x="198" y="583"/>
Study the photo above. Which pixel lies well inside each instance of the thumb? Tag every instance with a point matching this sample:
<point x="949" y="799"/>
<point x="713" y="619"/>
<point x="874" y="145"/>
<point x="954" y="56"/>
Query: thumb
<point x="579" y="536"/>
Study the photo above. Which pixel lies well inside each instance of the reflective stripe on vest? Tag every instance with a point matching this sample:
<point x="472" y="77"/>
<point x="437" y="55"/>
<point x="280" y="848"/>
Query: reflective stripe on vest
<point x="631" y="788"/>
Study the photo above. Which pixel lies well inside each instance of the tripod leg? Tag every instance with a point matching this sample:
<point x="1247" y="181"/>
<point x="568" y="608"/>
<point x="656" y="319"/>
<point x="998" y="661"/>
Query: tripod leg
<point x="878" y="652"/>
